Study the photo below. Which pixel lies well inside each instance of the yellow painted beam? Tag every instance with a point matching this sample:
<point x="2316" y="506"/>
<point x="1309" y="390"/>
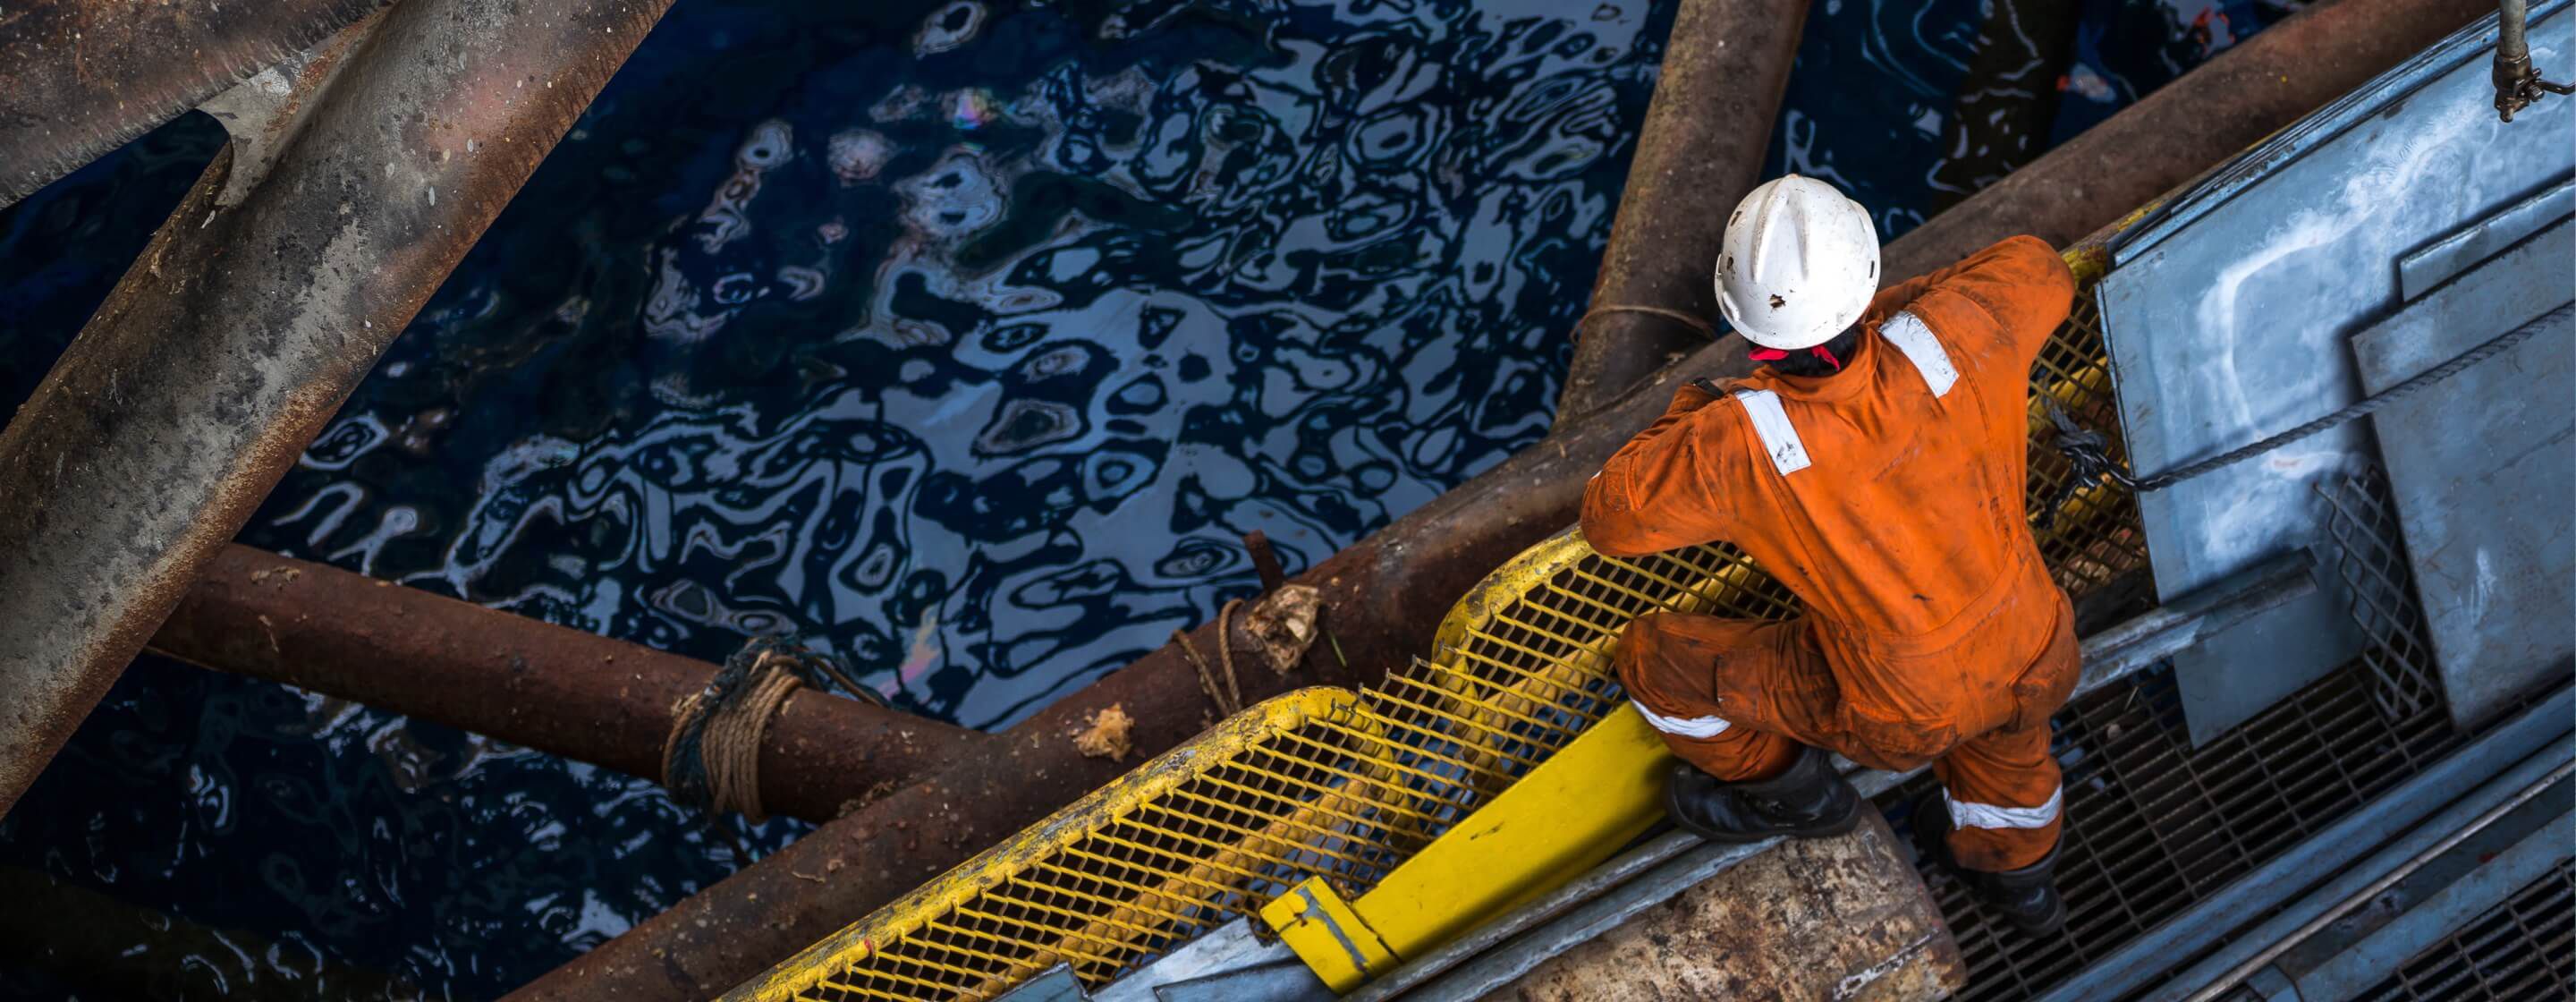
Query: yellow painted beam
<point x="1561" y="819"/>
<point x="1316" y="922"/>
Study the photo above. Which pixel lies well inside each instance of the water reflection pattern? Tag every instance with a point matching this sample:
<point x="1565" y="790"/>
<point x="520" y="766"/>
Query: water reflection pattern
<point x="979" y="385"/>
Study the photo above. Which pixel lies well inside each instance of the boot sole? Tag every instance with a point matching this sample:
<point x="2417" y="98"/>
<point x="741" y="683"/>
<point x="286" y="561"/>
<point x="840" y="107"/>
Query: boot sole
<point x="2049" y="928"/>
<point x="1843" y="825"/>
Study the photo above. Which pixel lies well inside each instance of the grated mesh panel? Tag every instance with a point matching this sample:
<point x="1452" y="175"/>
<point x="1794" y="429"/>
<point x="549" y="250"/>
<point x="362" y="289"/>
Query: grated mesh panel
<point x="2153" y="826"/>
<point x="2524" y="948"/>
<point x="1348" y="785"/>
<point x="2361" y="518"/>
<point x="2096" y="535"/>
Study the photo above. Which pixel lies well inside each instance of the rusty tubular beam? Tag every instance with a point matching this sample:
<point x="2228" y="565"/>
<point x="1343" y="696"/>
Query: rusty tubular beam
<point x="738" y="927"/>
<point x="81" y="77"/>
<point x="554" y="689"/>
<point x="1388" y="592"/>
<point x="1699" y="151"/>
<point x="244" y="325"/>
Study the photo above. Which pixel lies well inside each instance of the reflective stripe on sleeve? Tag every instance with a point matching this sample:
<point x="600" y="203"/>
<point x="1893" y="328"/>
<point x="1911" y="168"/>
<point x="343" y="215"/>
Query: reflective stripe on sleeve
<point x="1771" y="424"/>
<point x="1916" y="341"/>
<point x="1969" y="814"/>
<point x="1702" y="728"/>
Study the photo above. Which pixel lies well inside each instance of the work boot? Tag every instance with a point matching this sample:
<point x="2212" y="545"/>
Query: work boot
<point x="1808" y="801"/>
<point x="2026" y="897"/>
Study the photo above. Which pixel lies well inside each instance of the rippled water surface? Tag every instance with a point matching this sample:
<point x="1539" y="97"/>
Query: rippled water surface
<point x="965" y="339"/>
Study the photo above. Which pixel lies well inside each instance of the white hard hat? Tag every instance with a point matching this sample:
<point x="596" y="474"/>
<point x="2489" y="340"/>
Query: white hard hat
<point x="1798" y="264"/>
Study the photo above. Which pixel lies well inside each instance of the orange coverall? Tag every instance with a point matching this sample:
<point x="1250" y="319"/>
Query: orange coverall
<point x="1888" y="497"/>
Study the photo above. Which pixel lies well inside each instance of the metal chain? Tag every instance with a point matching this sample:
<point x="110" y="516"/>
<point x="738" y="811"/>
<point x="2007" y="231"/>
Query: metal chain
<point x="2088" y="452"/>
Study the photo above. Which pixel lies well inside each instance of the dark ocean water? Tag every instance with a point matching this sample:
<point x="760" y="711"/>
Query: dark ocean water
<point x="964" y="339"/>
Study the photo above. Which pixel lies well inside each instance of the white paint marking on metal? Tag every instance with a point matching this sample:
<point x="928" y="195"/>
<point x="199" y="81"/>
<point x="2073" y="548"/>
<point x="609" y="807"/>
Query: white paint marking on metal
<point x="1851" y="984"/>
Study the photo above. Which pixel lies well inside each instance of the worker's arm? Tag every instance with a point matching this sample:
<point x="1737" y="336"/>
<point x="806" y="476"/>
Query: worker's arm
<point x="2021" y="283"/>
<point x="2024" y="286"/>
<point x="1653" y="495"/>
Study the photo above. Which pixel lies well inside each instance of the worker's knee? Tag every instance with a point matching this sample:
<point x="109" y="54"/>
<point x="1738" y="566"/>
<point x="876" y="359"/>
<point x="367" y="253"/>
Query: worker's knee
<point x="1637" y="655"/>
<point x="1896" y="742"/>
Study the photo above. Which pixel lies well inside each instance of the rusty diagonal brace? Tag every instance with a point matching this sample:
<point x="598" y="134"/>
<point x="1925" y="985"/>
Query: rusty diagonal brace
<point x="81" y="77"/>
<point x="252" y="314"/>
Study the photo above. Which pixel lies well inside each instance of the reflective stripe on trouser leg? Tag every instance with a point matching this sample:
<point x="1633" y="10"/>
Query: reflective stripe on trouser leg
<point x="1984" y="783"/>
<point x="1664" y="661"/>
<point x="1970" y="814"/>
<point x="1697" y="728"/>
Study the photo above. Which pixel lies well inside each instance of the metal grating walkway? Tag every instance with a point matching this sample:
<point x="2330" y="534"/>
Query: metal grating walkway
<point x="2524" y="948"/>
<point x="2153" y="826"/>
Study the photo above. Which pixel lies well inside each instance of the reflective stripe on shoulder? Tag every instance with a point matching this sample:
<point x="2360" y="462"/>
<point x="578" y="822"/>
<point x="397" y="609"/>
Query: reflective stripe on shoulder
<point x="1910" y="336"/>
<point x="1771" y="423"/>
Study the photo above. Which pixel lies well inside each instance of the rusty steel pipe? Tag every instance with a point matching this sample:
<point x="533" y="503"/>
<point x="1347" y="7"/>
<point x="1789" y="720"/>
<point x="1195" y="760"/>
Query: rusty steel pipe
<point x="763" y="912"/>
<point x="245" y="324"/>
<point x="1701" y="145"/>
<point x="1387" y="593"/>
<point x="81" y="77"/>
<point x="557" y="690"/>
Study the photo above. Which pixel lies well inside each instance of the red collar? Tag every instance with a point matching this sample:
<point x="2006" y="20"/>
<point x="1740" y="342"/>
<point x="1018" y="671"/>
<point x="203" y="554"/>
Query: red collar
<point x="1776" y="354"/>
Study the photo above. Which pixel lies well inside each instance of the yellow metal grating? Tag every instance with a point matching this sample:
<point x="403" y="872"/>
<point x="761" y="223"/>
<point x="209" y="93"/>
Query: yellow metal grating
<point x="2096" y="535"/>
<point x="1348" y="785"/>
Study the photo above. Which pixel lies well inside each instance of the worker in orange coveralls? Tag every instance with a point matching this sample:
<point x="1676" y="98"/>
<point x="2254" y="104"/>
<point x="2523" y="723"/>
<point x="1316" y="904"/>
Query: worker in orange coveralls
<point x="1875" y="467"/>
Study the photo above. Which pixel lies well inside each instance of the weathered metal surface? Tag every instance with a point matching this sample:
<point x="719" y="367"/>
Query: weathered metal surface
<point x="2370" y="940"/>
<point x="2225" y="317"/>
<point x="1056" y="985"/>
<point x="2468" y="457"/>
<point x="2537" y="739"/>
<point x="2368" y="883"/>
<point x="1233" y="948"/>
<point x="554" y="689"/>
<point x="2445" y="259"/>
<point x="239" y="331"/>
<point x="1281" y="982"/>
<point x="1699" y="151"/>
<point x="1840" y="919"/>
<point x="2168" y="629"/>
<point x="80" y="77"/>
<point x="1385" y="594"/>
